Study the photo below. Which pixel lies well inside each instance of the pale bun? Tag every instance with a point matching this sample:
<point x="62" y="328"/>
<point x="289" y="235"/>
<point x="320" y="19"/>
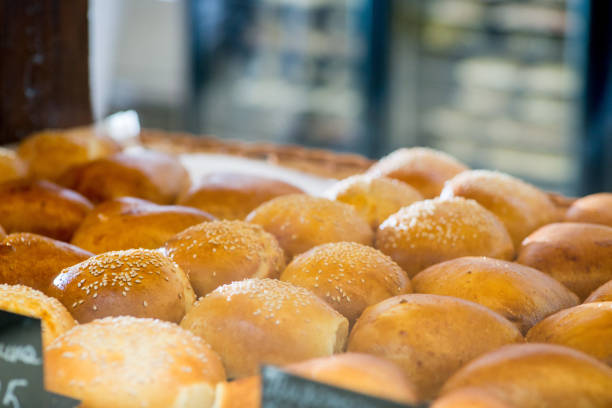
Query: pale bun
<point x="11" y="166"/>
<point x="242" y="393"/>
<point x="594" y="208"/>
<point x="601" y="294"/>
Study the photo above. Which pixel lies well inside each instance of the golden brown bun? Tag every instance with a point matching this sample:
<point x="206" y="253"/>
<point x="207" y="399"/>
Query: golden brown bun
<point x="11" y="166"/>
<point x="587" y="328"/>
<point x="375" y="199"/>
<point x="146" y="174"/>
<point x="577" y="255"/>
<point x="594" y="209"/>
<point x="432" y="231"/>
<point x="136" y="282"/>
<point x="601" y="294"/>
<point x="300" y="222"/>
<point x="51" y="152"/>
<point x="520" y="206"/>
<point x="537" y="376"/>
<point x="469" y="398"/>
<point x="242" y="393"/>
<point x="219" y="252"/>
<point x="132" y="363"/>
<point x="34" y="260"/>
<point x="348" y="276"/>
<point x="30" y="302"/>
<point x="124" y="223"/>
<point x="2" y="233"/>
<point x="521" y="294"/>
<point x="256" y="321"/>
<point x="429" y="336"/>
<point x="233" y="196"/>
<point x="41" y="207"/>
<point x="422" y="168"/>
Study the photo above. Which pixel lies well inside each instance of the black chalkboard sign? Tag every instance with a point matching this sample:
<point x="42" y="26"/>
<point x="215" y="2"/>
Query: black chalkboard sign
<point x="283" y="390"/>
<point x="21" y="365"/>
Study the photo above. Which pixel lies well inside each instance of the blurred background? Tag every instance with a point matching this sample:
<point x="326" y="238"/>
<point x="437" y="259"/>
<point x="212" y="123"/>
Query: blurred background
<point x="518" y="86"/>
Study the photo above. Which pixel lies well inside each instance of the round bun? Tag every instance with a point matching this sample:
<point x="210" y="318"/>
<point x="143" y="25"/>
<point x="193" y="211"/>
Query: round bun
<point x="587" y="328"/>
<point x="520" y="206"/>
<point x="219" y="252"/>
<point x="146" y="174"/>
<point x="136" y="282"/>
<point x="41" y="207"/>
<point x="594" y="209"/>
<point x="577" y="255"/>
<point x="430" y="337"/>
<point x="469" y="398"/>
<point x="132" y="363"/>
<point x="300" y="222"/>
<point x="11" y="166"/>
<point x="242" y="393"/>
<point x="51" y="152"/>
<point x="431" y="231"/>
<point x="233" y="196"/>
<point x="375" y="199"/>
<point x="422" y="168"/>
<point x="521" y="294"/>
<point x="601" y="294"/>
<point x="126" y="222"/>
<point x="256" y="321"/>
<point x="537" y="376"/>
<point x="348" y="276"/>
<point x="29" y="302"/>
<point x="34" y="260"/>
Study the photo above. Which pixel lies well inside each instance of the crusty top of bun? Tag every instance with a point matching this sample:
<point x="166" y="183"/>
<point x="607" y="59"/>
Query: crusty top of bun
<point x="11" y="166"/>
<point x="594" y="208"/>
<point x="130" y="363"/>
<point x="601" y="294"/>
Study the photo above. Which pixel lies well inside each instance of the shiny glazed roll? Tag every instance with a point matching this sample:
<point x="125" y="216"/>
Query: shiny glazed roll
<point x="348" y="276"/>
<point x="375" y="199"/>
<point x="136" y="282"/>
<point x="520" y="206"/>
<point x="432" y="231"/>
<point x="11" y="166"/>
<point x="126" y="222"/>
<point x="577" y="255"/>
<point x="422" y="168"/>
<point x="41" y="207"/>
<point x="132" y="363"/>
<point x="601" y="294"/>
<point x="469" y="398"/>
<point x="521" y="294"/>
<point x="429" y="336"/>
<point x="594" y="209"/>
<point x="537" y="376"/>
<point x="300" y="222"/>
<point x="256" y="321"/>
<point x="219" y="252"/>
<point x="233" y="196"/>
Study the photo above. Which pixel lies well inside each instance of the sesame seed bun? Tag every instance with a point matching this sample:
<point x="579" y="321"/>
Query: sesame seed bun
<point x="132" y="363"/>
<point x="257" y="321"/>
<point x="219" y="252"/>
<point x="11" y="166"/>
<point x="348" y="276"/>
<point x="135" y="282"/>
<point x="594" y="208"/>
<point x="300" y="222"/>
<point x="432" y="231"/>
<point x="601" y="294"/>
<point x="429" y="336"/>
<point x="469" y="398"/>
<point x="233" y="196"/>
<point x="124" y="223"/>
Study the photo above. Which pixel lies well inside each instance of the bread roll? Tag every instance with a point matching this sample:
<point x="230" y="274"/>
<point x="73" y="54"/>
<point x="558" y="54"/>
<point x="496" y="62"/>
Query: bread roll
<point x="242" y="393"/>
<point x="220" y="252"/>
<point x="432" y="231"/>
<point x="2" y="233"/>
<point x="521" y="294"/>
<point x="601" y="294"/>
<point x="145" y="174"/>
<point x="41" y="207"/>
<point x="136" y="282"/>
<point x="594" y="209"/>
<point x="520" y="206"/>
<point x="257" y="321"/>
<point x="422" y="168"/>
<point x="126" y="222"/>
<point x="469" y="398"/>
<point x="11" y="166"/>
<point x="132" y="363"/>
<point x="233" y="196"/>
<point x="577" y="255"/>
<point x="429" y="336"/>
<point x="51" y="152"/>
<point x="587" y="328"/>
<point x="300" y="222"/>
<point x="34" y="260"/>
<point x="348" y="276"/>
<point x="375" y="199"/>
<point x="537" y="376"/>
<point x="55" y="319"/>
